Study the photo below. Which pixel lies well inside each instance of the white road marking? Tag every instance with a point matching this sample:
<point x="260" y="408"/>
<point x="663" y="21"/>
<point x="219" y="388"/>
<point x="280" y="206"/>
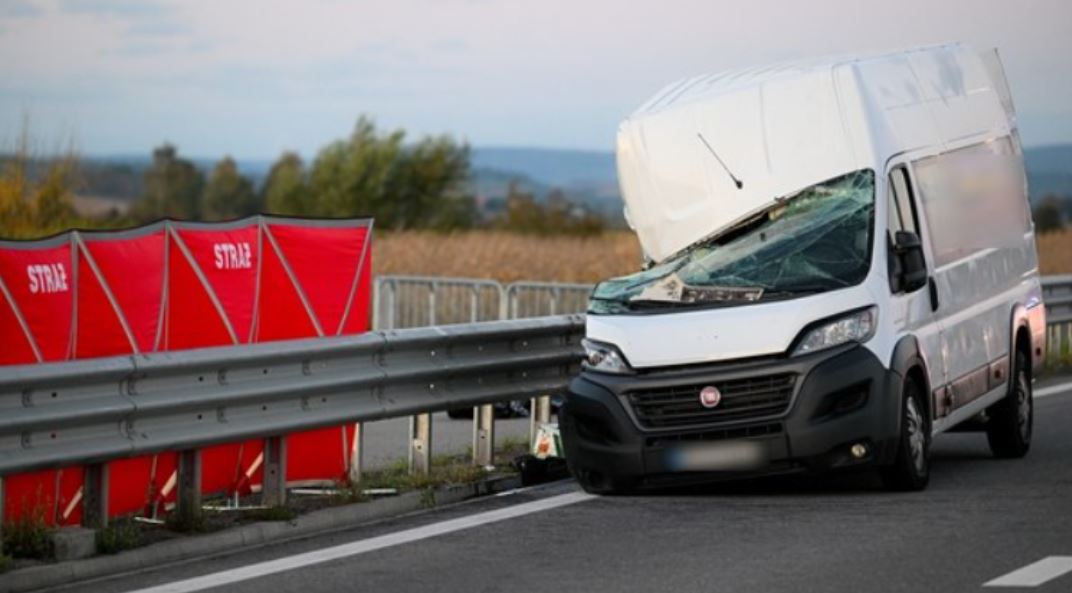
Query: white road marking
<point x="1053" y="390"/>
<point x="260" y="569"/>
<point x="1035" y="574"/>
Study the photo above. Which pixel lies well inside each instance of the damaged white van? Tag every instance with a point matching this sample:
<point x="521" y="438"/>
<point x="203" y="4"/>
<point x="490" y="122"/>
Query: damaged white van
<point x="841" y="265"/>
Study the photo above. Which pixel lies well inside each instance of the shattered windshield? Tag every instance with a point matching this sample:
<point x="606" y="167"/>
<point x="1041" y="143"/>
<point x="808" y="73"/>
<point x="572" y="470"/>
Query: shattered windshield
<point x="816" y="240"/>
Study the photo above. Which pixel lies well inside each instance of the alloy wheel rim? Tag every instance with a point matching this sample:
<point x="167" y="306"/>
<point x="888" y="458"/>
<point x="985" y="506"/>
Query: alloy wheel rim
<point x="1023" y="407"/>
<point x="916" y="437"/>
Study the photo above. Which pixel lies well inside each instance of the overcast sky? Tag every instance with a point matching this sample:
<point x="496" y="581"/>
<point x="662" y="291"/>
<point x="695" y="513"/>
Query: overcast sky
<point x="252" y="78"/>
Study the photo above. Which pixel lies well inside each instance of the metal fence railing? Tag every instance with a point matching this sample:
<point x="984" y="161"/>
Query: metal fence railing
<point x="536" y="299"/>
<point x="418" y="301"/>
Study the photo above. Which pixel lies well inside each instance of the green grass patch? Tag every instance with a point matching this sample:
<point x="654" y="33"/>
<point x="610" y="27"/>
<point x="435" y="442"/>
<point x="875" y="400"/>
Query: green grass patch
<point x="187" y="522"/>
<point x="28" y="536"/>
<point x="1058" y="360"/>
<point x="123" y="534"/>
<point x="446" y="469"/>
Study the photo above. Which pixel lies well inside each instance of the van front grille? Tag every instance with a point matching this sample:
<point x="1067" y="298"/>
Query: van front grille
<point x="742" y="399"/>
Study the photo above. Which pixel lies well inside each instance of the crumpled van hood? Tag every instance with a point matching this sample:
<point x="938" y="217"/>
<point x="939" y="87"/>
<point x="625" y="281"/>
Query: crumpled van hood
<point x="776" y="130"/>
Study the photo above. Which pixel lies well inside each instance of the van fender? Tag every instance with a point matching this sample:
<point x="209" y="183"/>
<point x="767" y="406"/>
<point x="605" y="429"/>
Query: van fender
<point x="1019" y="319"/>
<point x="906" y="354"/>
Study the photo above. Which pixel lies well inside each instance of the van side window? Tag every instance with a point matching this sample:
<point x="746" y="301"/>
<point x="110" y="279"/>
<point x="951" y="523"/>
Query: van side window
<point x="902" y="217"/>
<point x="974" y="199"/>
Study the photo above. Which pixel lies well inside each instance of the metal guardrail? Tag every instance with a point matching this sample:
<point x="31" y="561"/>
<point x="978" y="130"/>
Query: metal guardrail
<point x="1057" y="295"/>
<point x="90" y="412"/>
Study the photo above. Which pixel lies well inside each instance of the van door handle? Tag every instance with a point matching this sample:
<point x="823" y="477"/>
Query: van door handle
<point x="933" y="289"/>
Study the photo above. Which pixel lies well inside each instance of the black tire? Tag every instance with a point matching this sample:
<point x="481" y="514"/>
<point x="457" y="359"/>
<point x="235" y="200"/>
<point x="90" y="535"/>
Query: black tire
<point x="1011" y="420"/>
<point x="911" y="470"/>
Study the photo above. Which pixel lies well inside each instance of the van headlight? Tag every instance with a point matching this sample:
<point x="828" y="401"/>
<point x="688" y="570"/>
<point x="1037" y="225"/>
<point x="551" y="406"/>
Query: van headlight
<point x="605" y="358"/>
<point x="857" y="326"/>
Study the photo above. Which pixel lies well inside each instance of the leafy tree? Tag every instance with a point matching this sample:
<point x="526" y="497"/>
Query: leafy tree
<point x="378" y="174"/>
<point x="38" y="204"/>
<point x="285" y="190"/>
<point x="427" y="181"/>
<point x="172" y="187"/>
<point x="558" y="215"/>
<point x="228" y="194"/>
<point x="1048" y="215"/>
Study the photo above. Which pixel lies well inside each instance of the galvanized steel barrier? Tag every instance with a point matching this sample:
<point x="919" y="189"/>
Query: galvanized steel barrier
<point x="90" y="412"/>
<point x="415" y="301"/>
<point x="1057" y="295"/>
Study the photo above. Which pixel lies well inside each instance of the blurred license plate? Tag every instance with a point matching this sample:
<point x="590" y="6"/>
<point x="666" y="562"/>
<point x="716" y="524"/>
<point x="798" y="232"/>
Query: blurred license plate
<point x="719" y="456"/>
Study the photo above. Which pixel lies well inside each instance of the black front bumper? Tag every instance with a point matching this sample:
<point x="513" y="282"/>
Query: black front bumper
<point x="841" y="397"/>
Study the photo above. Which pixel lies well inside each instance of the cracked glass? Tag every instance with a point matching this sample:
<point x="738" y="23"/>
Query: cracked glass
<point x="815" y="240"/>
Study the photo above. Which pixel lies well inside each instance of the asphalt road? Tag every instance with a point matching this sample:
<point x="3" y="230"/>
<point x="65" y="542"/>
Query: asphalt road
<point x="980" y="519"/>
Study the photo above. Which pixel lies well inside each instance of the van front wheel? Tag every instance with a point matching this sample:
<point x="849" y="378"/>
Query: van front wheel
<point x="911" y="469"/>
<point x="1010" y="425"/>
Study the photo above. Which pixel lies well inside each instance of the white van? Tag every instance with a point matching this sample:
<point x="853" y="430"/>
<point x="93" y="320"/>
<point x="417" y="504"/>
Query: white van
<point x="841" y="265"/>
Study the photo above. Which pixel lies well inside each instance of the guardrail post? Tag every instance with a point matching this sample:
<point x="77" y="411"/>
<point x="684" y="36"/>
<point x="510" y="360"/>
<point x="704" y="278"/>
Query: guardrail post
<point x="274" y="490"/>
<point x="357" y="451"/>
<point x="188" y="505"/>
<point x="484" y="435"/>
<point x="420" y="444"/>
<point x="95" y="495"/>
<point x="540" y="414"/>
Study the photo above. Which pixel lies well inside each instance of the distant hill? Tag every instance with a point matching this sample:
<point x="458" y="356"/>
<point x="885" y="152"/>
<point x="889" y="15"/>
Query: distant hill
<point x="1049" y="170"/>
<point x="551" y="166"/>
<point x="586" y="177"/>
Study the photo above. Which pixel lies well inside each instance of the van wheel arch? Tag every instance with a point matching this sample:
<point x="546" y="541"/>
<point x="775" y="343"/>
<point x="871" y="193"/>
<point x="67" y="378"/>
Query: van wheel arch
<point x="908" y="362"/>
<point x="1020" y="338"/>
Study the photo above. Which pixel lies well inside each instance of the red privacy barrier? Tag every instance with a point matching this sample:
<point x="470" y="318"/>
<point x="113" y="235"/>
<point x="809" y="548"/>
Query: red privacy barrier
<point x="173" y="286"/>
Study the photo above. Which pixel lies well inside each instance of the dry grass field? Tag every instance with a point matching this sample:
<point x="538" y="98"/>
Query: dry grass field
<point x="1055" y="252"/>
<point x="508" y="257"/>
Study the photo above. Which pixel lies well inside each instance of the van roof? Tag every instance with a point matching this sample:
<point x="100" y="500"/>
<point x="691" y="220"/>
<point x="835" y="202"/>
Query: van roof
<point x="783" y="127"/>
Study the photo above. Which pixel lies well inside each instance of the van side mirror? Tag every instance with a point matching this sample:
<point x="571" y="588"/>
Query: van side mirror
<point x="909" y="251"/>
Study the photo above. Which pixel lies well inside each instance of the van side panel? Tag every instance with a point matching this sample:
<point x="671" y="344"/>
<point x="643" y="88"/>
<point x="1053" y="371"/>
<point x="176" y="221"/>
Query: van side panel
<point x="983" y="271"/>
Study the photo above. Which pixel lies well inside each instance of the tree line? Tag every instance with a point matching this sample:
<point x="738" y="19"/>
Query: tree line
<point x="420" y="184"/>
<point x="1053" y="213"/>
<point x="403" y="185"/>
<point x="370" y="173"/>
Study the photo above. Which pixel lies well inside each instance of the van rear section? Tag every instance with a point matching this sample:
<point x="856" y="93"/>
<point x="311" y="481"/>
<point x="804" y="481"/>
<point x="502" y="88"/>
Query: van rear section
<point x="841" y="265"/>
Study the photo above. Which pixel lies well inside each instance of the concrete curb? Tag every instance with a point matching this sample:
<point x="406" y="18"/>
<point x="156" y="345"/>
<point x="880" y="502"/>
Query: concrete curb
<point x="244" y="537"/>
